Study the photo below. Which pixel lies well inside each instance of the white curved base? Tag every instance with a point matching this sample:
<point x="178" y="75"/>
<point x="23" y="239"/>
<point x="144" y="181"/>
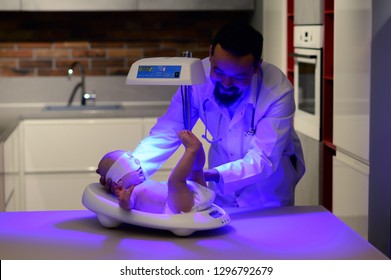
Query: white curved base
<point x="108" y="221"/>
<point x="110" y="215"/>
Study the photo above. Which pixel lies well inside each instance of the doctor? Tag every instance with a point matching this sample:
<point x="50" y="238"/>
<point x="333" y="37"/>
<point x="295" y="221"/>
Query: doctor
<point x="247" y="106"/>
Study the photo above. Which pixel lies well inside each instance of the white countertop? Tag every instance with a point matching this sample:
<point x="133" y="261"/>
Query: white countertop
<point x="25" y="97"/>
<point x="10" y="117"/>
<point x="297" y="232"/>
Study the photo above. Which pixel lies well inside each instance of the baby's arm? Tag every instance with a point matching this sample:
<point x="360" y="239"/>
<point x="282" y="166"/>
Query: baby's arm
<point x="123" y="195"/>
<point x="190" y="166"/>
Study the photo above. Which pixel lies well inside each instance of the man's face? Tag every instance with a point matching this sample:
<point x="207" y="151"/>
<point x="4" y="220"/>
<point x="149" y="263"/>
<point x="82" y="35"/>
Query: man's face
<point x="231" y="75"/>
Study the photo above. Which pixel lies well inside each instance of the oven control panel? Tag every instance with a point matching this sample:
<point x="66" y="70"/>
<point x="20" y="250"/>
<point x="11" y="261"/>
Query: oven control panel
<point x="308" y="36"/>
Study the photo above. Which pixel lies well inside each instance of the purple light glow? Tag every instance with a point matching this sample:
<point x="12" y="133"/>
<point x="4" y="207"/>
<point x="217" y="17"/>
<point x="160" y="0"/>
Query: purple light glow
<point x="308" y="232"/>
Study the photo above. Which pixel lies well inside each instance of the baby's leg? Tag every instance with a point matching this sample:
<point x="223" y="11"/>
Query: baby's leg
<point x="193" y="145"/>
<point x="199" y="160"/>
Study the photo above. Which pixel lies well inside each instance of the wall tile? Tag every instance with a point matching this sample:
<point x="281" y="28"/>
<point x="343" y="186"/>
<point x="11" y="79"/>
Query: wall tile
<point x="88" y="53"/>
<point x="106" y="43"/>
<point x="48" y="53"/>
<point x="16" y="53"/>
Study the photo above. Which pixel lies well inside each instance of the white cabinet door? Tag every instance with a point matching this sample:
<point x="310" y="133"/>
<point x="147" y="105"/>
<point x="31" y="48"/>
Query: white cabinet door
<point x="352" y="63"/>
<point x="350" y="192"/>
<point x="77" y="5"/>
<point x="307" y="190"/>
<point x="10" y="5"/>
<point x="56" y="191"/>
<point x="76" y="145"/>
<point x="60" y="158"/>
<point x="11" y="170"/>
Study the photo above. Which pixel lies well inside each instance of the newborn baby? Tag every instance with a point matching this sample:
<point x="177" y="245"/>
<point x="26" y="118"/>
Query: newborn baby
<point x="185" y="191"/>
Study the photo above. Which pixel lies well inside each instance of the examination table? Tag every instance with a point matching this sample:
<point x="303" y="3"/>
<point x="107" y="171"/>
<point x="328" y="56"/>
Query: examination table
<point x="296" y="232"/>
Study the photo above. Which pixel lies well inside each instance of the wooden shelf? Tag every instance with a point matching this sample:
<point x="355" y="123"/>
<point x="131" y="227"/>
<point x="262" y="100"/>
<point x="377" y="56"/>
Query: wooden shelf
<point x="329" y="145"/>
<point x="328" y="78"/>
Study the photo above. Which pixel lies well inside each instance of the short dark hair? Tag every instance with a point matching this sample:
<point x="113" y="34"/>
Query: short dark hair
<point x="239" y="39"/>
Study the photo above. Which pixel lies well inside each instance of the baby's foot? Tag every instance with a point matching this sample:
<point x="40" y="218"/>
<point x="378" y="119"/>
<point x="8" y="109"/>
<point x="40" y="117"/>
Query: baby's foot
<point x="189" y="140"/>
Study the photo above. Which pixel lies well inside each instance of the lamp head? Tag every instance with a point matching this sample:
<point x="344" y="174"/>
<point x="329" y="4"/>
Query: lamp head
<point x="166" y="71"/>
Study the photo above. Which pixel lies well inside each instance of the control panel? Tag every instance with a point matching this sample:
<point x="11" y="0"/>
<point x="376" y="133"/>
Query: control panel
<point x="308" y="36"/>
<point x="159" y="72"/>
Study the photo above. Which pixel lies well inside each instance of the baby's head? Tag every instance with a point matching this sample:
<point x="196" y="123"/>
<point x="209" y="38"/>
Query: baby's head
<point x="121" y="165"/>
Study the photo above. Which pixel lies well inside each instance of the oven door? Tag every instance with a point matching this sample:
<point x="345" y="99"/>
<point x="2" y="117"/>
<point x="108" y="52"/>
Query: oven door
<point x="308" y="86"/>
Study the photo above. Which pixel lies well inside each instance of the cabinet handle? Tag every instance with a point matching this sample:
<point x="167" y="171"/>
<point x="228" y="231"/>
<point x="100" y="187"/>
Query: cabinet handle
<point x="302" y="55"/>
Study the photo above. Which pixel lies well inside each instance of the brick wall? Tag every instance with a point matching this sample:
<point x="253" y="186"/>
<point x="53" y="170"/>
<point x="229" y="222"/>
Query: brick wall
<point x="45" y="44"/>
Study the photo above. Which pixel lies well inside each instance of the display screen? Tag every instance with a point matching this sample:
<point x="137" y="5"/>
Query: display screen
<point x="215" y="214"/>
<point x="159" y="71"/>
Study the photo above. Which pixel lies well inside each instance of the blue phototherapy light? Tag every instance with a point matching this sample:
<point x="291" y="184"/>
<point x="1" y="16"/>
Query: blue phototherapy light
<point x="182" y="71"/>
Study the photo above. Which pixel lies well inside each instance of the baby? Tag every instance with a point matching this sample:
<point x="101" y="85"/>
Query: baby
<point x="185" y="191"/>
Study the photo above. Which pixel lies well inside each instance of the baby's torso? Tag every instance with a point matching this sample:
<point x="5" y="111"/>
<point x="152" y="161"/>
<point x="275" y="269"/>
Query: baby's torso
<point x="151" y="196"/>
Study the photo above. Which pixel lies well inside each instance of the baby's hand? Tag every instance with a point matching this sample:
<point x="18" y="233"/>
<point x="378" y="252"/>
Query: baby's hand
<point x="123" y="196"/>
<point x="189" y="140"/>
<point x="107" y="183"/>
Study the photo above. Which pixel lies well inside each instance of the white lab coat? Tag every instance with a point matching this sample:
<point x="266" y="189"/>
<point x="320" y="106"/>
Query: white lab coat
<point x="260" y="170"/>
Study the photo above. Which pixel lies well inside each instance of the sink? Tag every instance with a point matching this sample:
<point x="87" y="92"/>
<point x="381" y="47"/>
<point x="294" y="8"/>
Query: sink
<point x="83" y="108"/>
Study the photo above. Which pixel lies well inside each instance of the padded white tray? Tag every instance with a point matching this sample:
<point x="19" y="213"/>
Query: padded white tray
<point x="110" y="215"/>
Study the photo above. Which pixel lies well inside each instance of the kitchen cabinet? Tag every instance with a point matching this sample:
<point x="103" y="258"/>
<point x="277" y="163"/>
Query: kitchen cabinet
<point x="188" y="5"/>
<point x="77" y="5"/>
<point x="11" y="170"/>
<point x="55" y="159"/>
<point x="308" y="12"/>
<point x="352" y="61"/>
<point x="9" y="5"/>
<point x="49" y="162"/>
<point x="352" y="64"/>
<point x="350" y="192"/>
<point x="136" y="5"/>
<point x="75" y="145"/>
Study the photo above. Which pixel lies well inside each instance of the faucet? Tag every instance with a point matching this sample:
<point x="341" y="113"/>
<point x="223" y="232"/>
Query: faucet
<point x="80" y="85"/>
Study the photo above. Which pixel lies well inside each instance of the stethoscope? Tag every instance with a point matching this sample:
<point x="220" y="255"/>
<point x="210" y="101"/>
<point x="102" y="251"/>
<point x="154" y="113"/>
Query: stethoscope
<point x="251" y="131"/>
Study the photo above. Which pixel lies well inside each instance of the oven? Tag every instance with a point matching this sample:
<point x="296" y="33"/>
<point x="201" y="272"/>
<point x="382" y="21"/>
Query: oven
<point x="308" y="44"/>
